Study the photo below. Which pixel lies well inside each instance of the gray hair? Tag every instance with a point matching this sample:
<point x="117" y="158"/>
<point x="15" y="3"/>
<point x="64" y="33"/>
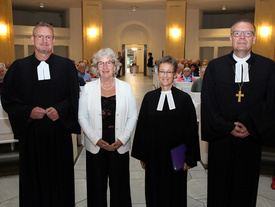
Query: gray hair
<point x="244" y="20"/>
<point x="105" y="52"/>
<point x="169" y="59"/>
<point x="180" y="66"/>
<point x="2" y="65"/>
<point x="42" y="24"/>
<point x="187" y="69"/>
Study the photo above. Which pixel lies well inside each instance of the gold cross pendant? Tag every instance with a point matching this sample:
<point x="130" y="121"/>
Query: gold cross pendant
<point x="239" y="95"/>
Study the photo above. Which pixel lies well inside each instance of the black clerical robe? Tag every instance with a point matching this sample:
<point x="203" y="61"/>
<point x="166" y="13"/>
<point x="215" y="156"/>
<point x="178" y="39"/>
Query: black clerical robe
<point x="234" y="163"/>
<point x="157" y="132"/>
<point x="46" y="154"/>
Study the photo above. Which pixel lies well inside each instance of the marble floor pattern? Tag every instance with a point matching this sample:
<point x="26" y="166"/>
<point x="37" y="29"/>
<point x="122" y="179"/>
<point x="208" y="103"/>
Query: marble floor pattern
<point x="197" y="177"/>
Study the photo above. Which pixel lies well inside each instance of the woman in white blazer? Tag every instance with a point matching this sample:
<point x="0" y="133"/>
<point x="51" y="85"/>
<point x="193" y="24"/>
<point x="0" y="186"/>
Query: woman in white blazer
<point x="107" y="115"/>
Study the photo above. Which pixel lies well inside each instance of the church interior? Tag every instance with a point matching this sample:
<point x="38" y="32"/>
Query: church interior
<point x="134" y="27"/>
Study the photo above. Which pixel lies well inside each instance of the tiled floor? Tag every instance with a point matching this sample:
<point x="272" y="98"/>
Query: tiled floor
<point x="197" y="177"/>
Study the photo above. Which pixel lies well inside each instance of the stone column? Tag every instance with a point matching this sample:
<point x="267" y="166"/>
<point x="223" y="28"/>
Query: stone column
<point x="6" y="32"/>
<point x="175" y="28"/>
<point x="92" y="27"/>
<point x="265" y="20"/>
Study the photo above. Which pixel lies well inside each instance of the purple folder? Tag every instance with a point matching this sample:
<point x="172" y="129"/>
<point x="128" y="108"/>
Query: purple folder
<point x="178" y="157"/>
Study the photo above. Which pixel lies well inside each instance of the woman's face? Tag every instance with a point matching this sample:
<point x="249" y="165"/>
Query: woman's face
<point x="106" y="67"/>
<point x="192" y="68"/>
<point x="166" y="74"/>
<point x="186" y="73"/>
<point x="179" y="70"/>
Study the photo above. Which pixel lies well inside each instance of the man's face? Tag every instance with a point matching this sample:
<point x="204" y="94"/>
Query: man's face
<point x="242" y="43"/>
<point x="85" y="62"/>
<point x="186" y="73"/>
<point x="43" y="40"/>
<point x="81" y="67"/>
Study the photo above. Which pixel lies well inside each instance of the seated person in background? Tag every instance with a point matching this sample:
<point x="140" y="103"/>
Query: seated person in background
<point x="81" y="81"/>
<point x="194" y="70"/>
<point x="187" y="77"/>
<point x="2" y="75"/>
<point x="87" y="67"/>
<point x="205" y="62"/>
<point x="7" y="65"/>
<point x="198" y="63"/>
<point x="86" y="76"/>
<point x="196" y="86"/>
<point x="179" y="73"/>
<point x="186" y="65"/>
<point x="156" y="66"/>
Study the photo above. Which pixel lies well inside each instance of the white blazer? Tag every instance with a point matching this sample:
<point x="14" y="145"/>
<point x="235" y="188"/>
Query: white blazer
<point x="90" y="117"/>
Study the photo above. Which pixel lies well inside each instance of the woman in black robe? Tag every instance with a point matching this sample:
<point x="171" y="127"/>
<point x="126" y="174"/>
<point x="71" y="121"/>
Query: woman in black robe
<point x="167" y="119"/>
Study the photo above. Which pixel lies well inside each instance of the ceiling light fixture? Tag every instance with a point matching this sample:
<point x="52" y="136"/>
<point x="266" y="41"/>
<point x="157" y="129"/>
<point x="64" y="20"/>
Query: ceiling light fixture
<point x="41" y="5"/>
<point x="223" y="7"/>
<point x="134" y="8"/>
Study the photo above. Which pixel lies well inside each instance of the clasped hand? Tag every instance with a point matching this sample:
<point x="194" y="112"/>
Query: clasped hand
<point x="240" y="130"/>
<point x="104" y="145"/>
<point x="39" y="113"/>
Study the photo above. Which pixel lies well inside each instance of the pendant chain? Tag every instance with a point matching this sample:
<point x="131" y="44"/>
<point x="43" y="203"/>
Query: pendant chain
<point x="240" y="94"/>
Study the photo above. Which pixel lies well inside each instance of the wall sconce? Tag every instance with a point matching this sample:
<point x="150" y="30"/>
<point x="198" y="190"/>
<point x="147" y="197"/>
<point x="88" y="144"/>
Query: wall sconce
<point x="264" y="31"/>
<point x="134" y="49"/>
<point x="175" y="33"/>
<point x="92" y="32"/>
<point x="3" y="29"/>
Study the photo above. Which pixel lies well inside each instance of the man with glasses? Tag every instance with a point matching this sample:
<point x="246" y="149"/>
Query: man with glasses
<point x="40" y="94"/>
<point x="238" y="115"/>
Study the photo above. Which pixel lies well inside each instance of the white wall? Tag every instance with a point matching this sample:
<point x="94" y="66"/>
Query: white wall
<point x="22" y="36"/>
<point x="192" y="49"/>
<point x="75" y="22"/>
<point x="215" y="38"/>
<point x="140" y="27"/>
<point x="127" y="27"/>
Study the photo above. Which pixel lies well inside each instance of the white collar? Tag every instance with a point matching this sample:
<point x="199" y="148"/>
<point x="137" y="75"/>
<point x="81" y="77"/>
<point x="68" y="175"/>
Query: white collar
<point x="43" y="71"/>
<point x="241" y="59"/>
<point x="241" y="69"/>
<point x="170" y="99"/>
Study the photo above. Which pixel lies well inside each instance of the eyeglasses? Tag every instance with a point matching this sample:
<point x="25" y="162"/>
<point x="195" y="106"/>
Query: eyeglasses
<point x="109" y="63"/>
<point x="238" y="33"/>
<point x="162" y="72"/>
<point x="41" y="37"/>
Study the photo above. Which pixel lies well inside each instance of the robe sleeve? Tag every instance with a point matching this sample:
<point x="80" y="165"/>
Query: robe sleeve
<point x="260" y="119"/>
<point x="139" y="148"/>
<point x="17" y="109"/>
<point x="214" y="126"/>
<point x="190" y="129"/>
<point x="68" y="108"/>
